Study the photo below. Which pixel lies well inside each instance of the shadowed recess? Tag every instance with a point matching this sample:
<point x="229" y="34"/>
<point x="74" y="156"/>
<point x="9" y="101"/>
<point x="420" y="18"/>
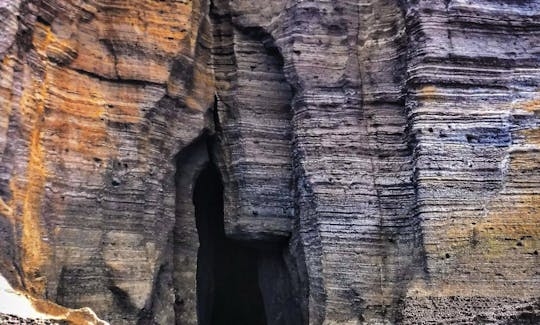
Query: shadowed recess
<point x="227" y="279"/>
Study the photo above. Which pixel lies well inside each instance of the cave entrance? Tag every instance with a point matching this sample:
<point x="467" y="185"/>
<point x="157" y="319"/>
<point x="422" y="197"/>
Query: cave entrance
<point x="228" y="290"/>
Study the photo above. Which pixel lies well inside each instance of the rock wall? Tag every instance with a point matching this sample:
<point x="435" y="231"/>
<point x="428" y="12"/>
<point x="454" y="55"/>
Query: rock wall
<point x="97" y="99"/>
<point x="381" y="156"/>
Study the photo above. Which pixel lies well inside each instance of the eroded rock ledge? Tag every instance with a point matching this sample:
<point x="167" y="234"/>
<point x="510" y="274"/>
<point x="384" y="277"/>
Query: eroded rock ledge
<point x="373" y="161"/>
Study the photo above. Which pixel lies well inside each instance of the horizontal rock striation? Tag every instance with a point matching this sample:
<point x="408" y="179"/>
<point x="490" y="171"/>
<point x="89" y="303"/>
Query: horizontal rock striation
<point x="253" y="114"/>
<point x="379" y="159"/>
<point x="96" y="103"/>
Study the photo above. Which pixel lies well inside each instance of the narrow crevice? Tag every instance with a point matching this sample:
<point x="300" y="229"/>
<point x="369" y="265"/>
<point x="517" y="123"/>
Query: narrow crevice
<point x="215" y="116"/>
<point x="110" y="47"/>
<point x="134" y="82"/>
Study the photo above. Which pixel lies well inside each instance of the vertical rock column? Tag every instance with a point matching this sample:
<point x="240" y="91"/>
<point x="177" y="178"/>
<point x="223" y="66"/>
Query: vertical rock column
<point x="352" y="157"/>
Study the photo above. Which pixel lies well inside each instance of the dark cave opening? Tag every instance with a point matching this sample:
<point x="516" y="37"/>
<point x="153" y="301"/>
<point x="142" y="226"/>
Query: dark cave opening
<point x="228" y="289"/>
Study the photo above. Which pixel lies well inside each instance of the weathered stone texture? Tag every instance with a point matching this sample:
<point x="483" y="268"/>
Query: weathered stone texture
<point x="14" y="320"/>
<point x="381" y="155"/>
<point x="93" y="114"/>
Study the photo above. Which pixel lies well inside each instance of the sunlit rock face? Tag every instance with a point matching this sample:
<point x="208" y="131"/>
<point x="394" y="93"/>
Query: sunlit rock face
<point x="378" y="162"/>
<point x="18" y="307"/>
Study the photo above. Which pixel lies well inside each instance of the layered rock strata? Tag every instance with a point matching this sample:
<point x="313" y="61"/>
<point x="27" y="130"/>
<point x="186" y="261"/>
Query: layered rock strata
<point x="378" y="159"/>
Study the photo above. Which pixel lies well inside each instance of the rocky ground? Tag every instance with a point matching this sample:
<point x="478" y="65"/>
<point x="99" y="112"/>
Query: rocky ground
<point x="14" y="320"/>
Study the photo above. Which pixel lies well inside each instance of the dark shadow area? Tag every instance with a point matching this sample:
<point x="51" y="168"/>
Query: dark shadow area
<point x="227" y="278"/>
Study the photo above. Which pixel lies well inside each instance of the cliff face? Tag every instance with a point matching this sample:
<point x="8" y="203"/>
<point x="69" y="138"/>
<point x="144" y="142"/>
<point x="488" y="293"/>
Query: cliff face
<point x="338" y="162"/>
